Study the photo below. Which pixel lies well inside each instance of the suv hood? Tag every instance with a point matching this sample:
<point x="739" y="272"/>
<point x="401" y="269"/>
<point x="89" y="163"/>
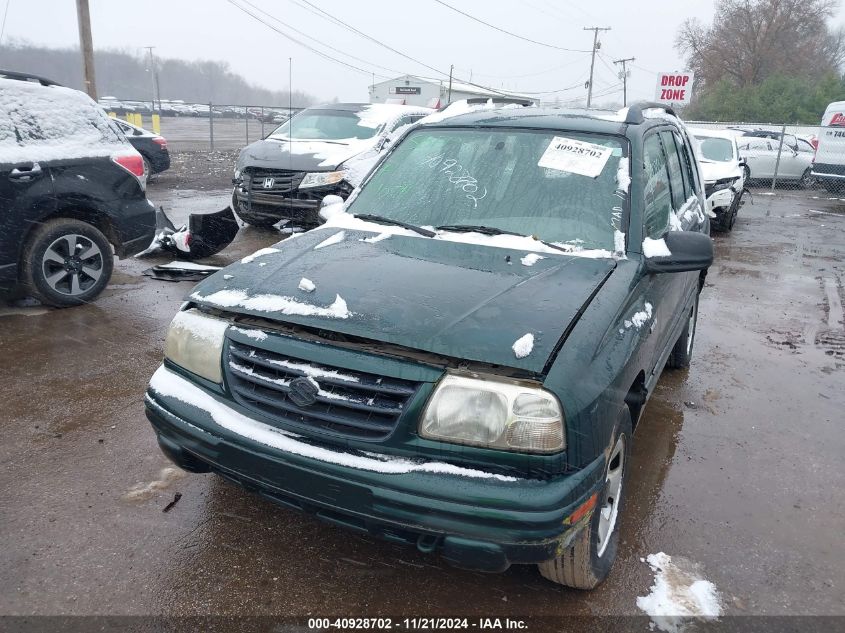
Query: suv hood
<point x="466" y="301"/>
<point x="301" y="155"/>
<point x="718" y="170"/>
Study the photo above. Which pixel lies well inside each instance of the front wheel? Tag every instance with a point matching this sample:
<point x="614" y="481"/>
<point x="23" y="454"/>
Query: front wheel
<point x="682" y="352"/>
<point x="66" y="262"/>
<point x="588" y="561"/>
<point x="807" y="181"/>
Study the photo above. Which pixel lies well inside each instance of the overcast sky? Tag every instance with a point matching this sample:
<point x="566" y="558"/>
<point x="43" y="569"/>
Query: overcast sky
<point x="422" y="29"/>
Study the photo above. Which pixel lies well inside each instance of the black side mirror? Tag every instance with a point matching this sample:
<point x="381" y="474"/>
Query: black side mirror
<point x="743" y="162"/>
<point x="688" y="251"/>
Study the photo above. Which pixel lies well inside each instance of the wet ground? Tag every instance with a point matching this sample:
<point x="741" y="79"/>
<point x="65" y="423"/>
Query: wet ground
<point x="737" y="464"/>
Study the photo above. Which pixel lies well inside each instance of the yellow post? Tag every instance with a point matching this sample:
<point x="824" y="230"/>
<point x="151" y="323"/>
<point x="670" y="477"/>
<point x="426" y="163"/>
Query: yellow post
<point x="156" y="124"/>
<point x="128" y="117"/>
<point x="112" y="115"/>
<point x="139" y="120"/>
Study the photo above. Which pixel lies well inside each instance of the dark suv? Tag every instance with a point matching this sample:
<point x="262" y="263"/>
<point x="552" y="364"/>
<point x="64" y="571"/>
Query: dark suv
<point x="71" y="190"/>
<point x="321" y="150"/>
<point x="458" y="358"/>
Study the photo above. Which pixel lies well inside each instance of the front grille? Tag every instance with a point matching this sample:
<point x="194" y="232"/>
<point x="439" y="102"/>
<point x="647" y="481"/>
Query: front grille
<point x="280" y="181"/>
<point x="349" y="404"/>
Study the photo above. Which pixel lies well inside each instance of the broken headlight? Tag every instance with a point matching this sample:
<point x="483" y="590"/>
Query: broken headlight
<point x="494" y="413"/>
<point x="321" y="179"/>
<point x="195" y="342"/>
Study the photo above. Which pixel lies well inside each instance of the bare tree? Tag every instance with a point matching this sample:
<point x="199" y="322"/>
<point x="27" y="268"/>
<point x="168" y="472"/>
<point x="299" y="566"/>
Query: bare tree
<point x="751" y="40"/>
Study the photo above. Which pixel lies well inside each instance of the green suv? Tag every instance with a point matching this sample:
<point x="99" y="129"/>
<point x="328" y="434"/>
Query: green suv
<point x="458" y="357"/>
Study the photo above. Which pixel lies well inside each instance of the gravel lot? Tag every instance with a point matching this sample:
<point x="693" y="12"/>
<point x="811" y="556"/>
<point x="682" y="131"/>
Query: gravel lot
<point x="737" y="465"/>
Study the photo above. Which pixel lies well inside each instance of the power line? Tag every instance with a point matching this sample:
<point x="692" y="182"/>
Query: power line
<point x="349" y="27"/>
<point x="314" y="39"/>
<point x="512" y="34"/>
<point x="303" y="44"/>
<point x="5" y="15"/>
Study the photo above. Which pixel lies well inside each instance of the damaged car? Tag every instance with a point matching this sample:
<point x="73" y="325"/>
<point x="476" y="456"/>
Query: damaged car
<point x="322" y="150"/>
<point x="724" y="175"/>
<point x="72" y="193"/>
<point x="458" y="358"/>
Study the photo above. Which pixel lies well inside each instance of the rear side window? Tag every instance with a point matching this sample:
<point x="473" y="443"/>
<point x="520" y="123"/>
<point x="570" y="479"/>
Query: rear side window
<point x="658" y="195"/>
<point x="676" y="177"/>
<point x="688" y="167"/>
<point x="51" y="123"/>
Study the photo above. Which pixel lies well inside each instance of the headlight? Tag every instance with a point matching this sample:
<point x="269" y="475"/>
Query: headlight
<point x="321" y="179"/>
<point x="494" y="413"/>
<point x="195" y="342"/>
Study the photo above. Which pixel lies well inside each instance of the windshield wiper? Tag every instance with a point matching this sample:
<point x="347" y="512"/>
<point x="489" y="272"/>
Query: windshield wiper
<point x="492" y="230"/>
<point x="380" y="219"/>
<point x="476" y="228"/>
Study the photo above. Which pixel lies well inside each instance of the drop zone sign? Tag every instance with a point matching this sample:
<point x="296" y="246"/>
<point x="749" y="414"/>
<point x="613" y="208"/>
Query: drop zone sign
<point x="674" y="88"/>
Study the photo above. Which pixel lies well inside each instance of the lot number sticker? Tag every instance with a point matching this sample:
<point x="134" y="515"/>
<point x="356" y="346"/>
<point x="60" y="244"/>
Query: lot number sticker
<point x="577" y="157"/>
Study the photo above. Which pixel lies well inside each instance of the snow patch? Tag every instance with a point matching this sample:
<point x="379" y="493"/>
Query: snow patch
<point x="307" y="285"/>
<point x="531" y="259"/>
<point x="274" y="303"/>
<point x="523" y="346"/>
<point x="678" y="595"/>
<point x="375" y="238"/>
<point x="623" y="177"/>
<point x="256" y="335"/>
<point x="311" y="371"/>
<point x="166" y="476"/>
<point x="640" y="318"/>
<point x="334" y="239"/>
<point x="656" y="248"/>
<point x="227" y="277"/>
<point x="618" y="242"/>
<point x="259" y="253"/>
<point x="166" y="383"/>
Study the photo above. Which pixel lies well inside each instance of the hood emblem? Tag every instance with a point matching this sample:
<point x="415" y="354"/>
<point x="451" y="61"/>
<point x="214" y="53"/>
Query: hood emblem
<point x="303" y="391"/>
<point x="268" y="183"/>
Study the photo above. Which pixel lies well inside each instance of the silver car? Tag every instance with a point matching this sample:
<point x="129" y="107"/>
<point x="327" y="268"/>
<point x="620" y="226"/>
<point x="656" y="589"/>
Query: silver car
<point x="761" y="157"/>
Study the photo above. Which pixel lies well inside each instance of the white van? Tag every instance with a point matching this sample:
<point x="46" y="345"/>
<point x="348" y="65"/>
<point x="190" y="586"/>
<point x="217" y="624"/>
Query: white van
<point x="829" y="165"/>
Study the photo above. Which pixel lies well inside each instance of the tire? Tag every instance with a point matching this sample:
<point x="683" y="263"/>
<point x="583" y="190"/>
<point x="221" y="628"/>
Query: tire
<point x="807" y="181"/>
<point x="682" y="352"/>
<point x="148" y="169"/>
<point x="588" y="561"/>
<point x="59" y="246"/>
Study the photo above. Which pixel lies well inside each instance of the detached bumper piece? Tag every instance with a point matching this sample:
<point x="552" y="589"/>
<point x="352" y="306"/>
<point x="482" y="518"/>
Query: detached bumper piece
<point x="206" y="234"/>
<point x="478" y="523"/>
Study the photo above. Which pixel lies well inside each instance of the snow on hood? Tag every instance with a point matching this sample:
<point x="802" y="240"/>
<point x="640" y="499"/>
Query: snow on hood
<point x="462" y="300"/>
<point x="53" y="123"/>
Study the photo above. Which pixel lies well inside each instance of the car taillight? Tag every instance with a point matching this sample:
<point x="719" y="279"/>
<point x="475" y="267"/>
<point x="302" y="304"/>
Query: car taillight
<point x="134" y="164"/>
<point x="160" y="141"/>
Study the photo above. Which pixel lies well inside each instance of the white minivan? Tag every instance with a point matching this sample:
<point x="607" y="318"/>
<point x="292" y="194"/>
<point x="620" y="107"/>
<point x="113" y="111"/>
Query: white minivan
<point x="829" y="165"/>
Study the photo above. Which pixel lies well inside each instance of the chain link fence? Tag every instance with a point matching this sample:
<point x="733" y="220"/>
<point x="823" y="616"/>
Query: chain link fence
<point x="778" y="156"/>
<point x="201" y="126"/>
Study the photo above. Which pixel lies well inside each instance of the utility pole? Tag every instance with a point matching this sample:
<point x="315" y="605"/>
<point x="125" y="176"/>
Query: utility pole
<point x="449" y="99"/>
<point x="83" y="17"/>
<point x="596" y="45"/>
<point x="153" y="79"/>
<point x="624" y="77"/>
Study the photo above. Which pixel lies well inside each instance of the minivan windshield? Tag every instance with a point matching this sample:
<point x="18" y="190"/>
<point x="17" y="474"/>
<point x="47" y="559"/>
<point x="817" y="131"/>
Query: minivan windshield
<point x="330" y="125"/>
<point x="558" y="186"/>
<point x="720" y="150"/>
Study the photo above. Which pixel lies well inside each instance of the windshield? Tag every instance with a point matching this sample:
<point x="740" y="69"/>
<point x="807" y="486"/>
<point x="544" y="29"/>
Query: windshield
<point x="717" y="149"/>
<point x="558" y="186"/>
<point x="330" y="125"/>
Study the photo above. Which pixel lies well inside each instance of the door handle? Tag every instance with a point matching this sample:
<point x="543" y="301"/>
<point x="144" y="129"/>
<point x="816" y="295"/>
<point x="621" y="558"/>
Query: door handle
<point x="26" y="175"/>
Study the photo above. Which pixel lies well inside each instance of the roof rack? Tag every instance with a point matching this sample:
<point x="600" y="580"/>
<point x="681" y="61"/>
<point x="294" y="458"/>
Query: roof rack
<point x="11" y="74"/>
<point x="635" y="111"/>
<point x="500" y="100"/>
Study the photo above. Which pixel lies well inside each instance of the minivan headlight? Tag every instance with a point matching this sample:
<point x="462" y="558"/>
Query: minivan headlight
<point x="321" y="179"/>
<point x="494" y="413"/>
<point x="195" y="342"/>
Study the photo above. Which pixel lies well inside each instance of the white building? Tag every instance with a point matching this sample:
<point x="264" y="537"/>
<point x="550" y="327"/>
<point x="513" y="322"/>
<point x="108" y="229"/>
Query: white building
<point x="433" y="93"/>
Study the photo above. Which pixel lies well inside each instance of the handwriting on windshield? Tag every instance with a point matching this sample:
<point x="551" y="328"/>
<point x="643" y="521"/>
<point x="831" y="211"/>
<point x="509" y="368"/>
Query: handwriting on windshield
<point x="458" y="176"/>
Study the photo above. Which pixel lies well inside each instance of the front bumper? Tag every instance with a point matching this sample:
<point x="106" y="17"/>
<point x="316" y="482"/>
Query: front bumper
<point x="479" y="523"/>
